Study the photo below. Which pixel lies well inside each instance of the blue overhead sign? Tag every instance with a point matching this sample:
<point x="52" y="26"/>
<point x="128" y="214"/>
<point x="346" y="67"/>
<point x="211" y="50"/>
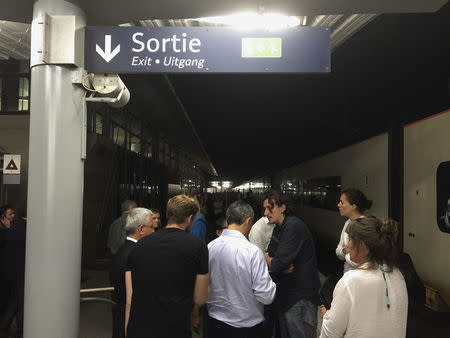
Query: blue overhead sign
<point x="206" y="50"/>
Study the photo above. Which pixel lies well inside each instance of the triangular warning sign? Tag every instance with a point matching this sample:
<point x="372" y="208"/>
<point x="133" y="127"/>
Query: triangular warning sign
<point x="11" y="166"/>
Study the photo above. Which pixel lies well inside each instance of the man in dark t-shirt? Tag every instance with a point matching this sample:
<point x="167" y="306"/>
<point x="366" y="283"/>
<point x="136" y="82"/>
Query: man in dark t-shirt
<point x="168" y="273"/>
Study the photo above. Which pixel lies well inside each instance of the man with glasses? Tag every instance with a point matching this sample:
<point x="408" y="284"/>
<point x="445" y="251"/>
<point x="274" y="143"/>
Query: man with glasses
<point x="139" y="223"/>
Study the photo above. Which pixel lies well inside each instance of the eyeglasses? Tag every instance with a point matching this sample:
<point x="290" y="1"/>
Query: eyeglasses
<point x="148" y="226"/>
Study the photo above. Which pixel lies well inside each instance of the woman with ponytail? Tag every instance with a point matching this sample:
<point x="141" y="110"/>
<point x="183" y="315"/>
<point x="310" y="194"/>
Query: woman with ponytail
<point x="370" y="300"/>
<point x="352" y="204"/>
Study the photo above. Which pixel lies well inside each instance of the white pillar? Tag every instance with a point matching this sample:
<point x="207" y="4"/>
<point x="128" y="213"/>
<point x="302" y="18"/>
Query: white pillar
<point x="55" y="194"/>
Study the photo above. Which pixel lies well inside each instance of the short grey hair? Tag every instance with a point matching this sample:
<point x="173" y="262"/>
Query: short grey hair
<point x="238" y="212"/>
<point x="135" y="218"/>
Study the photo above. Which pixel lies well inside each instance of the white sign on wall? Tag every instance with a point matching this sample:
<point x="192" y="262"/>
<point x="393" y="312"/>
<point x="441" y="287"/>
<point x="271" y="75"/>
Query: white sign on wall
<point x="11" y="164"/>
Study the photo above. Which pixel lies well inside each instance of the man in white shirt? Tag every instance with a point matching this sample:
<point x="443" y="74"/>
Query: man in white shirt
<point x="261" y="233"/>
<point x="240" y="284"/>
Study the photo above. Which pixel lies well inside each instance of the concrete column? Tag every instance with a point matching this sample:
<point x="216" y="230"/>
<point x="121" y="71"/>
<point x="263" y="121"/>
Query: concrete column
<point x="55" y="194"/>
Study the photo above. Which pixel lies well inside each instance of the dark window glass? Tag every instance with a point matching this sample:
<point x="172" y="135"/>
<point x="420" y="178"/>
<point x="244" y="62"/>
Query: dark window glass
<point x="443" y="196"/>
<point x="321" y="192"/>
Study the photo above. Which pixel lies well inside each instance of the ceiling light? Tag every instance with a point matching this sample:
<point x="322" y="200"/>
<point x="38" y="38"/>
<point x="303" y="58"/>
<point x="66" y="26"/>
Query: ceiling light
<point x="250" y="20"/>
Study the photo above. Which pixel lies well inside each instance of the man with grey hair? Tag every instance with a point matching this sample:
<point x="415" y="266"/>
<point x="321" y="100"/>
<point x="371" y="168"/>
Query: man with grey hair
<point x="139" y="223"/>
<point x="240" y="284"/>
<point x="117" y="234"/>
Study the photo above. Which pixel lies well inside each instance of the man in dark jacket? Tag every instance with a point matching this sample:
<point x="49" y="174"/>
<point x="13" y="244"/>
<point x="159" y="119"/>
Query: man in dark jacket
<point x="117" y="233"/>
<point x="139" y="223"/>
<point x="13" y="267"/>
<point x="297" y="288"/>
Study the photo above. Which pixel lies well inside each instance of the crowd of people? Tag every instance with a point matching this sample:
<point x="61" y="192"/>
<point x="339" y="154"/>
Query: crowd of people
<point x="253" y="279"/>
<point x="240" y="276"/>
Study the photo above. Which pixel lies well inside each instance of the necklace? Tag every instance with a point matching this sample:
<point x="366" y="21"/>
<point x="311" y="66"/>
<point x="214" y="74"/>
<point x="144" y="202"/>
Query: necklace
<point x="388" y="301"/>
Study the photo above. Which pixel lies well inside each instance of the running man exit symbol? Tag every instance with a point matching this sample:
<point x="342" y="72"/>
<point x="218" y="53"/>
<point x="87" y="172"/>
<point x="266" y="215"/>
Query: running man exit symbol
<point x="107" y="54"/>
<point x="261" y="47"/>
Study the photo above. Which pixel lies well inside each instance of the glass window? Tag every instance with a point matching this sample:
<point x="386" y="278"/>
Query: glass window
<point x="162" y="146"/>
<point x="148" y="150"/>
<point x="99" y="124"/>
<point x="167" y="155"/>
<point x="135" y="127"/>
<point x="23" y="104"/>
<point x="24" y="93"/>
<point x="135" y="144"/>
<point x="24" y="87"/>
<point x="443" y="196"/>
<point x="173" y="159"/>
<point x="119" y="136"/>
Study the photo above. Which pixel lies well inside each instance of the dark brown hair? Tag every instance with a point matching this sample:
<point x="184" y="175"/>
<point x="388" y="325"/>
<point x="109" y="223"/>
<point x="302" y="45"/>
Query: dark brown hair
<point x="357" y="197"/>
<point x="180" y="207"/>
<point x="379" y="236"/>
<point x="274" y="197"/>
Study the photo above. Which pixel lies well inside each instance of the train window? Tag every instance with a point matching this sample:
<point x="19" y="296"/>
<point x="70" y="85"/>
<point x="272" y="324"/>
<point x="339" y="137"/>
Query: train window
<point x="321" y="192"/>
<point x="443" y="196"/>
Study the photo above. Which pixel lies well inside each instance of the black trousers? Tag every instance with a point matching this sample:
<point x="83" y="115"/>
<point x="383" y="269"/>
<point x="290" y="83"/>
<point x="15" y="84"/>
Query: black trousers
<point x="118" y="320"/>
<point x="13" y="308"/>
<point x="218" y="329"/>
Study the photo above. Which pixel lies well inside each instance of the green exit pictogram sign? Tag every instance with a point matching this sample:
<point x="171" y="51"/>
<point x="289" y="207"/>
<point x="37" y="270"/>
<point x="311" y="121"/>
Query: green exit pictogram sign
<point x="261" y="47"/>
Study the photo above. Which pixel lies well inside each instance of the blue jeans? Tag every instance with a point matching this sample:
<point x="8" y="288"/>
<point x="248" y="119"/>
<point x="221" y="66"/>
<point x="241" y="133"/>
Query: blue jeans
<point x="300" y="321"/>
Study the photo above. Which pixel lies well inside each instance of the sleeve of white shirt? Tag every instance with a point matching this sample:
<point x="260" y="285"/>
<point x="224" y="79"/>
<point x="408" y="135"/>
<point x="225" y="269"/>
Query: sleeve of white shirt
<point x="263" y="286"/>
<point x="257" y="237"/>
<point x="336" y="319"/>
<point x="341" y="244"/>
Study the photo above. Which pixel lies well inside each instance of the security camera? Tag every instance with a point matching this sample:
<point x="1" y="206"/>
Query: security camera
<point x="109" y="88"/>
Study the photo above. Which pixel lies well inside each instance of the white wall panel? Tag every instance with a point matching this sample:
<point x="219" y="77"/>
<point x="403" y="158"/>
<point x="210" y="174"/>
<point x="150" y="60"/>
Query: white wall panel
<point x="427" y="144"/>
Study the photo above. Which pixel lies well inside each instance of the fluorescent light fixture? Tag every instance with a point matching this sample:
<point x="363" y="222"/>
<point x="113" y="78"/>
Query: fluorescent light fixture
<point x="250" y="20"/>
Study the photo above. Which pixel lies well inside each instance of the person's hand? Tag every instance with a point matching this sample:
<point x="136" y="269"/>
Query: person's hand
<point x="290" y="269"/>
<point x="196" y="321"/>
<point x="323" y="310"/>
<point x="268" y="258"/>
<point x="6" y="222"/>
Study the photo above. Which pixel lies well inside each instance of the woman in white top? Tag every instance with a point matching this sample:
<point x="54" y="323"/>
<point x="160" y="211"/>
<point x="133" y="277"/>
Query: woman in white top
<point x="370" y="300"/>
<point x="352" y="204"/>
